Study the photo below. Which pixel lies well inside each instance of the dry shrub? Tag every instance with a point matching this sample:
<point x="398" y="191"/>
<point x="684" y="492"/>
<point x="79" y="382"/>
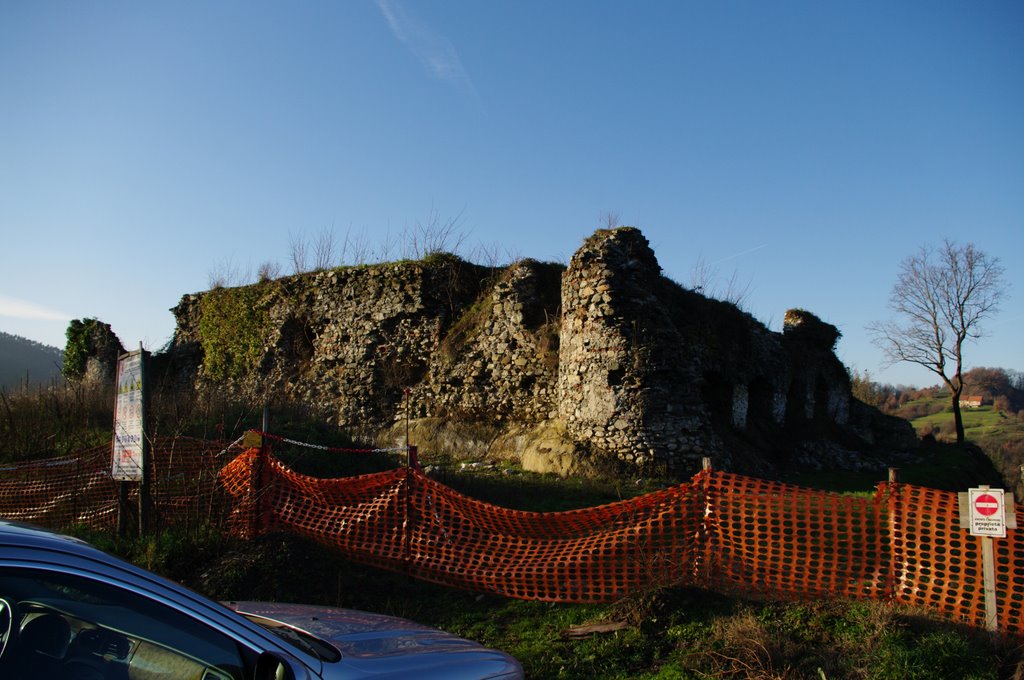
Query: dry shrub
<point x="750" y="650"/>
<point x="55" y="420"/>
<point x="828" y="638"/>
<point x="948" y="429"/>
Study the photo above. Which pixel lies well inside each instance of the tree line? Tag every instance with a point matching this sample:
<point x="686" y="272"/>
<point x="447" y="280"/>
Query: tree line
<point x="1000" y="387"/>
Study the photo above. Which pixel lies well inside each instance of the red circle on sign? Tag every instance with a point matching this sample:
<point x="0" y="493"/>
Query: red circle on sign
<point x="986" y="504"/>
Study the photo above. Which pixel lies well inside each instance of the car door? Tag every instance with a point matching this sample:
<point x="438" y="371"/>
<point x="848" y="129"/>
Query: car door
<point x="73" y="624"/>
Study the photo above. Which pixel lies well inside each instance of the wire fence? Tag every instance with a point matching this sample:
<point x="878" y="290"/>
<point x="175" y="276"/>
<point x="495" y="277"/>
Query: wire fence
<point x="720" y="531"/>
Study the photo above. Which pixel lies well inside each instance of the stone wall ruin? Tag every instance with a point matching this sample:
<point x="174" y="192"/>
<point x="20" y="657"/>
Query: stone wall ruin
<point x="605" y="359"/>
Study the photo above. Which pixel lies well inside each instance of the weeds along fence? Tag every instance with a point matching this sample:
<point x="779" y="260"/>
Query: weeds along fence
<point x="719" y="531"/>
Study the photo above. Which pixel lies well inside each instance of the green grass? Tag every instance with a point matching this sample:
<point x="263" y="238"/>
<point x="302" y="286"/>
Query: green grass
<point x="978" y="422"/>
<point x="940" y="465"/>
<point x="511" y="487"/>
<point x="679" y="633"/>
<point x="842" y="481"/>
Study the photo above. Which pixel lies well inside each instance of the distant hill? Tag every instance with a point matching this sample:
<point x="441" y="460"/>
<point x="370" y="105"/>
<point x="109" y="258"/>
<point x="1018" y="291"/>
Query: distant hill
<point x="23" y="360"/>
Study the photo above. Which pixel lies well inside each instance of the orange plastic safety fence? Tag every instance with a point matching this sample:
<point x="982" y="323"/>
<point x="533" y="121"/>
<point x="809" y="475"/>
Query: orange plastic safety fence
<point x="720" y="531"/>
<point x="782" y="541"/>
<point x="79" y="490"/>
<point x="360" y="516"/>
<point x="403" y="520"/>
<point x="938" y="565"/>
<point x="60" y="492"/>
<point x="590" y="555"/>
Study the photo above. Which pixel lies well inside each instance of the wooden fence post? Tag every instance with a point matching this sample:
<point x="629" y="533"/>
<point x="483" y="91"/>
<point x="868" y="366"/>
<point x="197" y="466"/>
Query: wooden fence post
<point x="895" y="571"/>
<point x="253" y="440"/>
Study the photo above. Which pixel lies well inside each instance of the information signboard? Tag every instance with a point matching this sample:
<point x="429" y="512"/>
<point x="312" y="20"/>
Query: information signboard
<point x="129" y="419"/>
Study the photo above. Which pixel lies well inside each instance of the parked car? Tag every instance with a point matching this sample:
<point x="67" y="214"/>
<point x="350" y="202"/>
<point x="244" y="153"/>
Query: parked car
<point x="71" y="611"/>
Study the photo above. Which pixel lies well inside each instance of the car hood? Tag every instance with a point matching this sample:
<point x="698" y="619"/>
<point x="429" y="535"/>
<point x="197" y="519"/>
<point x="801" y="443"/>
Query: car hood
<point x="379" y="645"/>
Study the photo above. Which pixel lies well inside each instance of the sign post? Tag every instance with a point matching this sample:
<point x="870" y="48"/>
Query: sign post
<point x="130" y="447"/>
<point x="984" y="511"/>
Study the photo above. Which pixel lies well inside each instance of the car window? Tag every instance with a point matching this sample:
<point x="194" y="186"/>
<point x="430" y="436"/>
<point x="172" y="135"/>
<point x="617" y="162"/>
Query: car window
<point x="67" y="626"/>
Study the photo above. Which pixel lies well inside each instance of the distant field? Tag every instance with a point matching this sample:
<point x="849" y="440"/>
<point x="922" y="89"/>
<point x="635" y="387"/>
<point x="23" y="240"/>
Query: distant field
<point x="979" y="423"/>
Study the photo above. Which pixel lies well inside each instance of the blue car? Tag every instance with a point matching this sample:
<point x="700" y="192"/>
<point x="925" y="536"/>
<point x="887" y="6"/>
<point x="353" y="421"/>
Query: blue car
<point x="70" y="611"/>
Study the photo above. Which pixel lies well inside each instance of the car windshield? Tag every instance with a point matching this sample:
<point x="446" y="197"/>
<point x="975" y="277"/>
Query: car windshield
<point x="298" y="638"/>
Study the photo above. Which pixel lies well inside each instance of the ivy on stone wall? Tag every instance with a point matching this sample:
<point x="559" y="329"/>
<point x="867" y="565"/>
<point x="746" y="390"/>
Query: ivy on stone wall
<point x="233" y="324"/>
<point x="79" y="345"/>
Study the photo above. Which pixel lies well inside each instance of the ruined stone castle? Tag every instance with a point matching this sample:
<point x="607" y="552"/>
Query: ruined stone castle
<point x="559" y="367"/>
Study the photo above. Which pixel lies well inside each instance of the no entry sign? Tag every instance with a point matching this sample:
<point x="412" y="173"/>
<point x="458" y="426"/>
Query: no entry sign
<point x="984" y="511"/>
<point x="986" y="505"/>
<point x="988" y="514"/>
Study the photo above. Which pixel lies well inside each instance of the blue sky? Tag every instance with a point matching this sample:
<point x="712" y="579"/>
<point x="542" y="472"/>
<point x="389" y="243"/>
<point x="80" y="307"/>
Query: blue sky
<point x="801" y="149"/>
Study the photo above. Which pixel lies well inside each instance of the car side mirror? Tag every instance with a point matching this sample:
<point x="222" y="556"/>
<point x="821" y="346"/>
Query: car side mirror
<point x="270" y="666"/>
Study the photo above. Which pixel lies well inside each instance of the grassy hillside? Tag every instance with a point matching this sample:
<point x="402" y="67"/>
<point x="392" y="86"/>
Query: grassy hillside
<point x="981" y="422"/>
<point x="998" y="434"/>
<point x="986" y="426"/>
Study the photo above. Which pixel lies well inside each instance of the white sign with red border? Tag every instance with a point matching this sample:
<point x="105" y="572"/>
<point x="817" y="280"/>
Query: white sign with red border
<point x="987" y="509"/>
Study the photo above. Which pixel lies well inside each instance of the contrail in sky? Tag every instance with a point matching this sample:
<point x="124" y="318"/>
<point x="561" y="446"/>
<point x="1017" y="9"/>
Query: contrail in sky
<point x="22" y="309"/>
<point x="435" y="52"/>
<point x="740" y="254"/>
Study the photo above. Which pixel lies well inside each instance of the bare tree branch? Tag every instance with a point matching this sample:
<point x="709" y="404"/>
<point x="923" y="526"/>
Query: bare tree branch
<point x="298" y="246"/>
<point x="433" y="236"/>
<point x="324" y="249"/>
<point x="703" y="280"/>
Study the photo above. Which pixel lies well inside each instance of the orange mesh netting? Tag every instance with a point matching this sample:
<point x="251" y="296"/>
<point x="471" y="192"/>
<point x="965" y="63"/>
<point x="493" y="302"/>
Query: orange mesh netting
<point x="719" y="531"/>
<point x="59" y="492"/>
<point x="938" y="565"/>
<point x="79" y="489"/>
<point x="782" y="541"/>
<point x="597" y="554"/>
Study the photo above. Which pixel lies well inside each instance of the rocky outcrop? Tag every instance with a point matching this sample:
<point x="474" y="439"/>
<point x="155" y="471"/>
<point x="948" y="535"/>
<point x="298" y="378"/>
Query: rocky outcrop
<point x="562" y="368"/>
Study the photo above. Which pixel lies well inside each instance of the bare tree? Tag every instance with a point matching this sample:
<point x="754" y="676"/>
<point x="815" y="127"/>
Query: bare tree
<point x="434" y="236"/>
<point x="609" y="219"/>
<point x="388" y="243"/>
<point x="703" y="280"/>
<point x="702" y="276"/>
<point x="358" y="249"/>
<point x="226" y="274"/>
<point x="268" y="271"/>
<point x="492" y="255"/>
<point x="298" y="247"/>
<point x="942" y="297"/>
<point x="324" y="250"/>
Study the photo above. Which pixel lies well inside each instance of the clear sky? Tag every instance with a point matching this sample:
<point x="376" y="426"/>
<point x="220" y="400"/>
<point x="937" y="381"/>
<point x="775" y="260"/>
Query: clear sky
<point x="802" y="149"/>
